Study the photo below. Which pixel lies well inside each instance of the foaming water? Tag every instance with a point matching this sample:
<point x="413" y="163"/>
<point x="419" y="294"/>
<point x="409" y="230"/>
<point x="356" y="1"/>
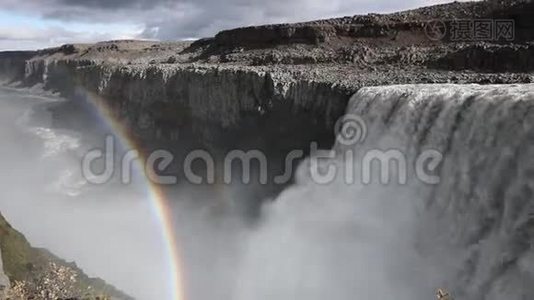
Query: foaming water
<point x="56" y="143"/>
<point x="335" y="242"/>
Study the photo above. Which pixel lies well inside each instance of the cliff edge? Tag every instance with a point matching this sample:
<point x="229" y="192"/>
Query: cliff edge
<point x="316" y="65"/>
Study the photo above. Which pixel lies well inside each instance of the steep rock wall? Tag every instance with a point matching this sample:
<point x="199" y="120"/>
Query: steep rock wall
<point x="12" y="65"/>
<point x="182" y="107"/>
<point x="164" y="98"/>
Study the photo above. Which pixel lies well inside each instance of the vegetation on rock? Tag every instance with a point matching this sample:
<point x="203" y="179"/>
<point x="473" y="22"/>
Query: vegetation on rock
<point x="34" y="270"/>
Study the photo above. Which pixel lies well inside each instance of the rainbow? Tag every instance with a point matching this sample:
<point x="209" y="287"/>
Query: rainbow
<point x="156" y="195"/>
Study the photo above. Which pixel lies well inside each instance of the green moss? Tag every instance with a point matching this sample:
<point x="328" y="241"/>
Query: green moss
<point x="18" y="256"/>
<point x="21" y="260"/>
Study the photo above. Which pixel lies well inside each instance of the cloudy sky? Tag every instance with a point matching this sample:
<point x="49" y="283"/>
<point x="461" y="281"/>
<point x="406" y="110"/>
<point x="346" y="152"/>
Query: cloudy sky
<point x="31" y="24"/>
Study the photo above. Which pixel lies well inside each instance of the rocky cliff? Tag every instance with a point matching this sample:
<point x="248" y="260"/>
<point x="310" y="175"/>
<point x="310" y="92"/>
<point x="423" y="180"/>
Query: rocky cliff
<point x="378" y="26"/>
<point x="21" y="262"/>
<point x="307" y="70"/>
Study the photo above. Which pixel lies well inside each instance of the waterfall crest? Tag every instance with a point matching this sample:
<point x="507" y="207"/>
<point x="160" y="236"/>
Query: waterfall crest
<point x="477" y="224"/>
<point x="471" y="233"/>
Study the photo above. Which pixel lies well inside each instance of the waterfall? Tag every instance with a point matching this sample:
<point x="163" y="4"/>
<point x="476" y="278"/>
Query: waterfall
<point x="469" y="232"/>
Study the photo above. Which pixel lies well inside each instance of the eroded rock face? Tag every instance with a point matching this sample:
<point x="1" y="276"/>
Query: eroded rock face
<point x="12" y="64"/>
<point x="198" y="106"/>
<point x="163" y="98"/>
<point x="490" y="58"/>
<point x="377" y="26"/>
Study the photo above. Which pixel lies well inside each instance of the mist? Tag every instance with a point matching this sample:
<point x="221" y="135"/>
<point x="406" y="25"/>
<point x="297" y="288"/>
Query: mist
<point x="336" y="242"/>
<point x="313" y="241"/>
<point x="339" y="240"/>
<point x="110" y="232"/>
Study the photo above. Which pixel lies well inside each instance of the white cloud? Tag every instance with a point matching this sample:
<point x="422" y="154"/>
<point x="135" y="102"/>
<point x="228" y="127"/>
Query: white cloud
<point x="36" y="38"/>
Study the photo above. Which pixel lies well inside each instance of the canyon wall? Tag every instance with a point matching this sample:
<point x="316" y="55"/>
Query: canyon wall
<point x="161" y="99"/>
<point x="182" y="107"/>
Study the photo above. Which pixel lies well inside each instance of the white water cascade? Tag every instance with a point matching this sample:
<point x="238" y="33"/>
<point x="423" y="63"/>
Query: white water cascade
<point x="472" y="233"/>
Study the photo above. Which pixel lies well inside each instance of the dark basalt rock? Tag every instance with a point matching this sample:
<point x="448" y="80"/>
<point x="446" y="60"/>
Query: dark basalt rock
<point x="489" y="58"/>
